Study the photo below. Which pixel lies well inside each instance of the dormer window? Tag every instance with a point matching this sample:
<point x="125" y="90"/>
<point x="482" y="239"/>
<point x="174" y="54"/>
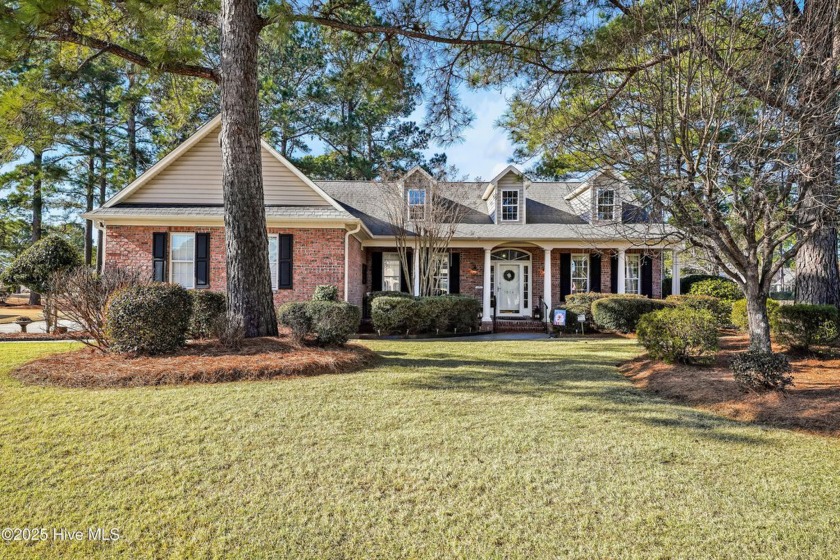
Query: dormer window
<point x="416" y="204"/>
<point x="606" y="205"/>
<point x="510" y="205"/>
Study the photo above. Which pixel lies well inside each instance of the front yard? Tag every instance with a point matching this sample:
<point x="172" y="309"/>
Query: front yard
<point x="445" y="449"/>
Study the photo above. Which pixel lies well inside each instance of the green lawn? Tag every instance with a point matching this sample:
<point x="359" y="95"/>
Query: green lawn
<point x="516" y="449"/>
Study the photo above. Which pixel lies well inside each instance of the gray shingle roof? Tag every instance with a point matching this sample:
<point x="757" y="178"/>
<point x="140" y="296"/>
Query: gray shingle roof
<point x="302" y="212"/>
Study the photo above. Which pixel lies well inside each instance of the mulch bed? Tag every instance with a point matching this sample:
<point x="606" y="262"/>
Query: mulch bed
<point x="198" y="362"/>
<point x="811" y="405"/>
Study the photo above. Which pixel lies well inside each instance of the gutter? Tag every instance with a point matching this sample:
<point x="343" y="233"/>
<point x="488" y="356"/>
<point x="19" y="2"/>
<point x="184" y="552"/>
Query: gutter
<point x="347" y="259"/>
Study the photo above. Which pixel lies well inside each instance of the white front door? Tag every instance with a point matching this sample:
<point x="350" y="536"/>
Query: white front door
<point x="510" y="288"/>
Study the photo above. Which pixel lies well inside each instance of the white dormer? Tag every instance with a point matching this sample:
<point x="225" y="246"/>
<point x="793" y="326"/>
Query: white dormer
<point x="600" y="199"/>
<point x="505" y="196"/>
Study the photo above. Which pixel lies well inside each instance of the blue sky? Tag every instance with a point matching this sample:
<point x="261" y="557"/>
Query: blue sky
<point x="485" y="149"/>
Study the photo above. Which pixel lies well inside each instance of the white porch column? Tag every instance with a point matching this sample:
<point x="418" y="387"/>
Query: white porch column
<point x="547" y="281"/>
<point x="415" y="271"/>
<point x="675" y="272"/>
<point x="622" y="270"/>
<point x="487" y="313"/>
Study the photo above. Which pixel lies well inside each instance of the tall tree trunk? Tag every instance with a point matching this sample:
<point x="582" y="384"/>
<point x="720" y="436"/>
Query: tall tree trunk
<point x="131" y="131"/>
<point x="103" y="179"/>
<point x="89" y="192"/>
<point x="757" y="318"/>
<point x="818" y="277"/>
<point x="250" y="305"/>
<point x="37" y="208"/>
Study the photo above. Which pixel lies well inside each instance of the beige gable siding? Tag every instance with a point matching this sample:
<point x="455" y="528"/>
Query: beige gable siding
<point x="196" y="178"/>
<point x="511" y="181"/>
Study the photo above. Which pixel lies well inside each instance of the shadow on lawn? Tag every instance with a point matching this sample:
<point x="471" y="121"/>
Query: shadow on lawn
<point x="590" y="377"/>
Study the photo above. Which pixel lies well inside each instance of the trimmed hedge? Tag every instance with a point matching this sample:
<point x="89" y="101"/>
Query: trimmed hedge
<point x="295" y="315"/>
<point x="762" y="371"/>
<point x="721" y="288"/>
<point x="622" y="314"/>
<point x="207" y="308"/>
<point x="433" y="314"/>
<point x="370" y="297"/>
<point x="720" y="310"/>
<point x="581" y="304"/>
<point x="149" y="319"/>
<point x="741" y="322"/>
<point x="679" y="334"/>
<point x="325" y="292"/>
<point x="333" y="321"/>
<point x="801" y="326"/>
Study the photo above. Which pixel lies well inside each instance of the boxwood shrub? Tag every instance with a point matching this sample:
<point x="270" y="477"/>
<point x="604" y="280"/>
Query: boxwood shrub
<point x="149" y="319"/>
<point x="739" y="315"/>
<point x="622" y="314"/>
<point x="433" y="314"/>
<point x="720" y="310"/>
<point x="679" y="334"/>
<point x="370" y="297"/>
<point x="722" y="288"/>
<point x="581" y="304"/>
<point x="325" y="292"/>
<point x="295" y="316"/>
<point x="801" y="326"/>
<point x="207" y="308"/>
<point x="333" y="321"/>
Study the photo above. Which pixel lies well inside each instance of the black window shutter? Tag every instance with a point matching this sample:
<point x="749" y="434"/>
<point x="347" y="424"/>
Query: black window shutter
<point x="202" y="260"/>
<point x="565" y="275"/>
<point x="455" y="273"/>
<point x="595" y="272"/>
<point x="285" y="264"/>
<point x="376" y="271"/>
<point x="364" y="274"/>
<point x="647" y="276"/>
<point x="403" y="276"/>
<point x="614" y="274"/>
<point x="159" y="256"/>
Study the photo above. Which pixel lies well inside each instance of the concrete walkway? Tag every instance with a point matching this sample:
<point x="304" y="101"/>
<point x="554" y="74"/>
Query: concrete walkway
<point x="36" y="327"/>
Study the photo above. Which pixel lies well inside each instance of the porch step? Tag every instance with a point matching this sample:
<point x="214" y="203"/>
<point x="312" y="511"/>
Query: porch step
<point x="519" y="325"/>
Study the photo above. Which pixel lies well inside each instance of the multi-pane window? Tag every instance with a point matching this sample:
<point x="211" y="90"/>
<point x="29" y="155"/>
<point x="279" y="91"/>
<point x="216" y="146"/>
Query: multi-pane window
<point x="273" y="259"/>
<point x="442" y="274"/>
<point x="606" y="204"/>
<point x="416" y="204"/>
<point x="580" y="274"/>
<point x="525" y="280"/>
<point x="632" y="274"/>
<point x="391" y="272"/>
<point x="182" y="258"/>
<point x="510" y="205"/>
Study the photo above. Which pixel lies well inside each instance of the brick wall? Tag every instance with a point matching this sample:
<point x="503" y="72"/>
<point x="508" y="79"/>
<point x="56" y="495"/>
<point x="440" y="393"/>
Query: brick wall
<point x="318" y="256"/>
<point x="356" y="259"/>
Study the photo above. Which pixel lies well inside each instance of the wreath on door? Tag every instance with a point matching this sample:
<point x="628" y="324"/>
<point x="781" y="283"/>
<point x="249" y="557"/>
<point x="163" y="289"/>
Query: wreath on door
<point x="509" y="275"/>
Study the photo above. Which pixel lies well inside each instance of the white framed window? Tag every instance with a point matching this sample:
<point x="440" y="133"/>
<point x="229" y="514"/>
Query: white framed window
<point x="580" y="273"/>
<point x="442" y="274"/>
<point x="416" y="204"/>
<point x="274" y="259"/>
<point x="632" y="274"/>
<point x="606" y="204"/>
<point x="391" y="272"/>
<point x="510" y="205"/>
<point x="182" y="259"/>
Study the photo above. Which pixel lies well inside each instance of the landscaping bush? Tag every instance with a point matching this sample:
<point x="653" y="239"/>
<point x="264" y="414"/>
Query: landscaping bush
<point x="370" y="297"/>
<point x="801" y="326"/>
<point x="464" y="313"/>
<point x="739" y="315"/>
<point x="721" y="288"/>
<point x="82" y="295"/>
<point x="207" y="307"/>
<point x="622" y="313"/>
<point x="149" y="319"/>
<point x="720" y="310"/>
<point x="686" y="282"/>
<point x="762" y="371"/>
<point x="396" y="315"/>
<point x="678" y="334"/>
<point x="581" y="304"/>
<point x="295" y="316"/>
<point x="325" y="292"/>
<point x="333" y="321"/>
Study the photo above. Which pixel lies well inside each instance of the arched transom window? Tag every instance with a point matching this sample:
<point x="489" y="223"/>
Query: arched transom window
<point x="510" y="255"/>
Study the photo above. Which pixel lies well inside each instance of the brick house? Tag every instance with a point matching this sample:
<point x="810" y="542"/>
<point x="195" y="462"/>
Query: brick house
<point x="529" y="243"/>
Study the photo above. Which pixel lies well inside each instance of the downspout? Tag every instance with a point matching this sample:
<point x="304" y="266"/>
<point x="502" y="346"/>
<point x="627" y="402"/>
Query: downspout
<point x="347" y="260"/>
